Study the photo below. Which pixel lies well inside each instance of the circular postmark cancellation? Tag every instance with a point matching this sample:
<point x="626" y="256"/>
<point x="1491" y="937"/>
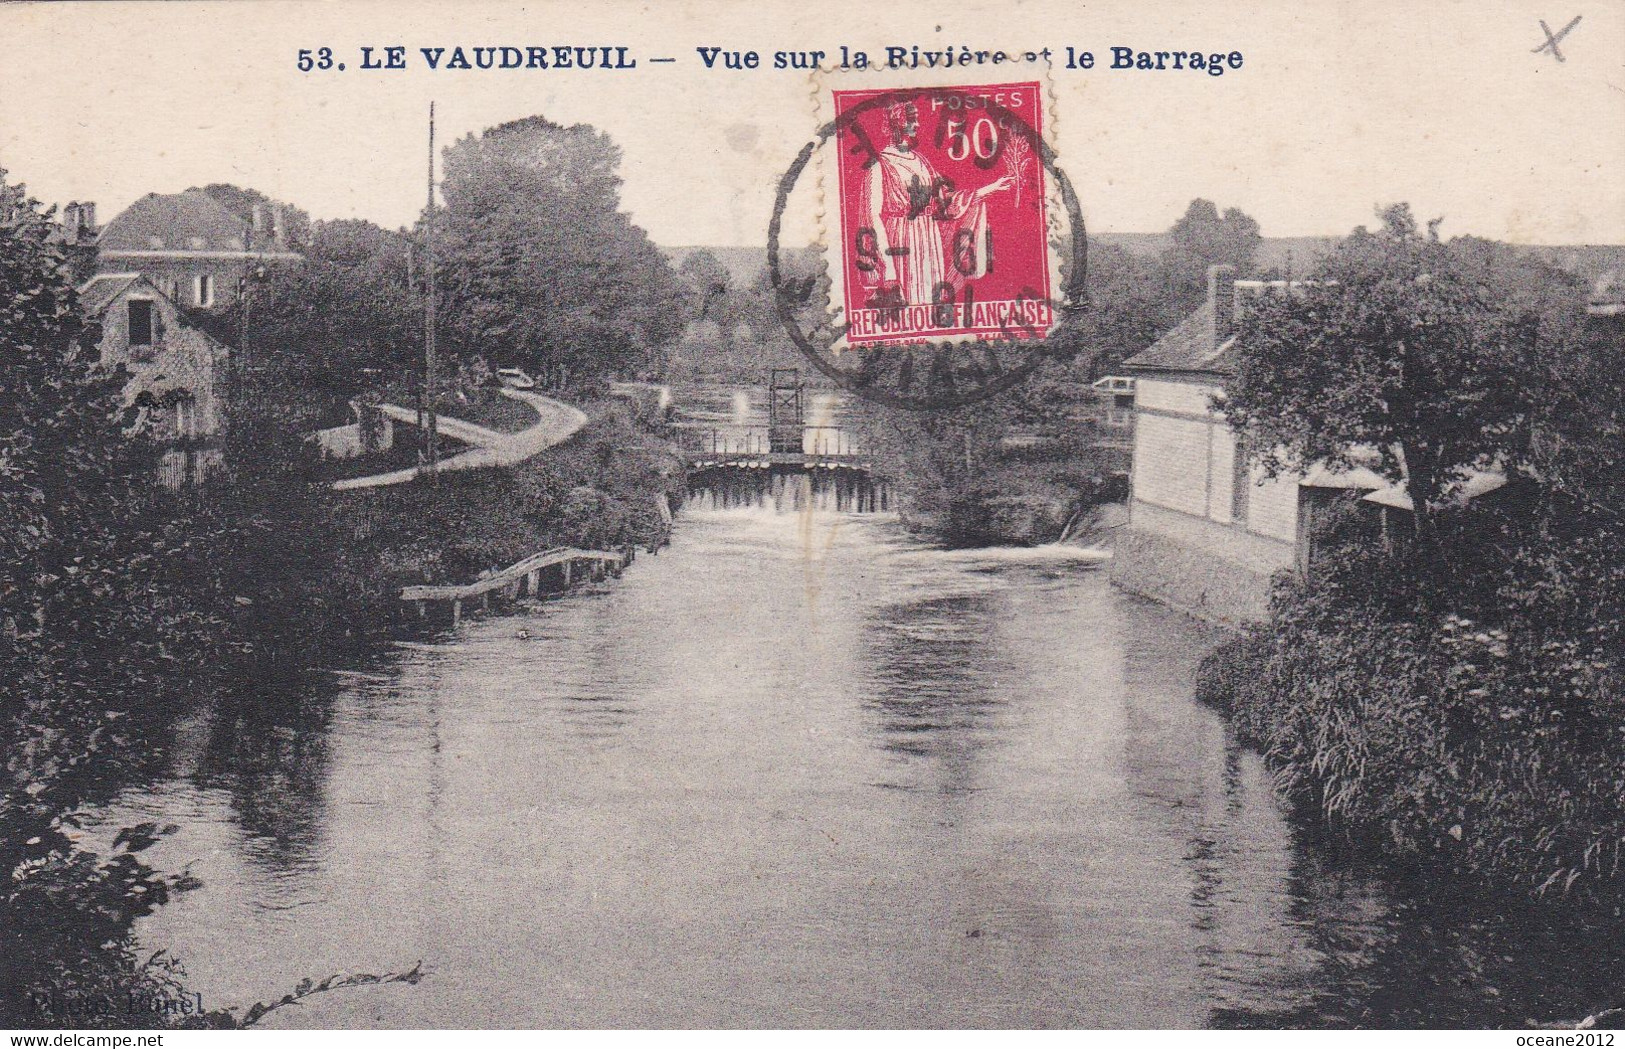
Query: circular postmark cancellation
<point x="961" y="264"/>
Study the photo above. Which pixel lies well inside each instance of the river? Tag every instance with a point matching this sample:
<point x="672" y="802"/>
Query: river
<point x="797" y="770"/>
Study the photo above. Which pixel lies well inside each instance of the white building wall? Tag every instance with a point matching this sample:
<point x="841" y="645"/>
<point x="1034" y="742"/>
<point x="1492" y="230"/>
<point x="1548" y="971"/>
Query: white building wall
<point x="1272" y="507"/>
<point x="1170" y="463"/>
<point x="1184" y="460"/>
<point x="1221" y="474"/>
<point x="1166" y="395"/>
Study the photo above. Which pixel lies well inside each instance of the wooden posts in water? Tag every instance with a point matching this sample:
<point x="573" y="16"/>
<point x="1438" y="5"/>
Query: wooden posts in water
<point x="518" y="579"/>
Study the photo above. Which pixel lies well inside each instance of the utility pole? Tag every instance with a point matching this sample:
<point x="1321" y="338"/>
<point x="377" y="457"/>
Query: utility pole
<point x="245" y="299"/>
<point x="428" y="317"/>
<point x="244" y="305"/>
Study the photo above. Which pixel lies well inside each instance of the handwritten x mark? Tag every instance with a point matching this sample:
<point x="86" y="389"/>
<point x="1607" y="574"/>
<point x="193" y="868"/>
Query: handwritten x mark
<point x="1551" y="41"/>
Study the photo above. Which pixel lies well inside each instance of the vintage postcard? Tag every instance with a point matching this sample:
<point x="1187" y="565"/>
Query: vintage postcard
<point x="819" y="515"/>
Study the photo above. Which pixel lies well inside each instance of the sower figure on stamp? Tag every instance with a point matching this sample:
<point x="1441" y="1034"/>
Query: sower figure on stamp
<point x="918" y="218"/>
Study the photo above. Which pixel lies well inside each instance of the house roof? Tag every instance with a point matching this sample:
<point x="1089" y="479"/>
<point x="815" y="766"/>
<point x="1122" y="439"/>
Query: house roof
<point x="1357" y="477"/>
<point x="180" y="222"/>
<point x="1477" y="483"/>
<point x="103" y="290"/>
<point x="1188" y="348"/>
<point x="100" y="291"/>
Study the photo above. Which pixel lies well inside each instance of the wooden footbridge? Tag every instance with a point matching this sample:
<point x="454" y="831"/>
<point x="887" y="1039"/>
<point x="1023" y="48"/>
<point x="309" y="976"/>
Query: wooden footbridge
<point x="522" y="579"/>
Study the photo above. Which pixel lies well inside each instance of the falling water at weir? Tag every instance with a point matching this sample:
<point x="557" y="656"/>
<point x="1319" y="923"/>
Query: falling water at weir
<point x="788" y="490"/>
<point x="800" y="769"/>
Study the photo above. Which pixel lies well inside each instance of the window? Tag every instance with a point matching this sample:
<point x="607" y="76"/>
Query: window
<point x="203" y="289"/>
<point x="140" y="323"/>
<point x="186" y="417"/>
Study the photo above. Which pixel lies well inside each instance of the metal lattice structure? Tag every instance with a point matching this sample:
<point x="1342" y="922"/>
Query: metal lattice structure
<point x="785" y="420"/>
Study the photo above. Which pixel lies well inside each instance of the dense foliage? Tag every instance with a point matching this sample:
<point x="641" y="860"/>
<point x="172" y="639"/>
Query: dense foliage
<point x="1396" y="348"/>
<point x="960" y="477"/>
<point x="347" y="319"/>
<point x="95" y="616"/>
<point x="1202" y="237"/>
<point x="539" y="266"/>
<point x="1471" y="719"/>
<point x="1460" y="702"/>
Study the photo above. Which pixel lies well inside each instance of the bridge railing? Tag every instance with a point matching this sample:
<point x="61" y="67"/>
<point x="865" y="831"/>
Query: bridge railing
<point x="754" y="440"/>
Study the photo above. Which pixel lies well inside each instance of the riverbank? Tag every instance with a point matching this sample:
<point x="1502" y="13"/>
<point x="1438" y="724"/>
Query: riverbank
<point x="970" y="484"/>
<point x="280" y="579"/>
<point x="1218" y="576"/>
<point x="1469" y="733"/>
<point x="959" y="822"/>
<point x="600" y="489"/>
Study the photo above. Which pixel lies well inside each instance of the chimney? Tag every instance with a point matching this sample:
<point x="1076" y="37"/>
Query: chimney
<point x="87" y="215"/>
<point x="71" y="220"/>
<point x="277" y="230"/>
<point x="259" y="222"/>
<point x="1221" y="295"/>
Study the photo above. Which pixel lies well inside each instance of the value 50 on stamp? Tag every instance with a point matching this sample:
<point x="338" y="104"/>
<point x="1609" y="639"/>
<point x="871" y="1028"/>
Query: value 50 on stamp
<point x="944" y="221"/>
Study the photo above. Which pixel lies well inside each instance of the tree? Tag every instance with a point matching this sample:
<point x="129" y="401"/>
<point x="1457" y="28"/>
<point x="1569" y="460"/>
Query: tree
<point x="345" y="319"/>
<point x="1577" y="432"/>
<point x="707" y="283"/>
<point x="1129" y="306"/>
<point x="1202" y="238"/>
<point x="540" y="267"/>
<point x="240" y="202"/>
<point x="93" y="614"/>
<point x="1397" y="347"/>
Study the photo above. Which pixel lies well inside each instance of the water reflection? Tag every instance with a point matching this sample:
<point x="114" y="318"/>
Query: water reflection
<point x="929" y="700"/>
<point x="798" y="770"/>
<point x="269" y="753"/>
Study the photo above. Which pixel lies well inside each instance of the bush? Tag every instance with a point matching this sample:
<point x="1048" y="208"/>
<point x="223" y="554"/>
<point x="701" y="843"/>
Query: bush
<point x="1470" y="723"/>
<point x="1223" y="673"/>
<point x="317" y="570"/>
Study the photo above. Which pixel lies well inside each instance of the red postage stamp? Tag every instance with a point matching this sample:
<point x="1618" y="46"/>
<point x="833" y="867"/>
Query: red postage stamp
<point x="943" y="214"/>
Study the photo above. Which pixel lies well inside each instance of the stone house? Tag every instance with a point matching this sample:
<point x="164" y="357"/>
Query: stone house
<point x="1207" y="529"/>
<point x="1205" y="532"/>
<point x="177" y="370"/>
<point x="189" y="245"/>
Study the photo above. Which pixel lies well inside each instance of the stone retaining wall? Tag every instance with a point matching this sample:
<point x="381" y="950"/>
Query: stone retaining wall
<point x="1217" y="574"/>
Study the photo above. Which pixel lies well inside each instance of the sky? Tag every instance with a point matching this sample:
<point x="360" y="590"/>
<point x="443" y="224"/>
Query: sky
<point x="1340" y="106"/>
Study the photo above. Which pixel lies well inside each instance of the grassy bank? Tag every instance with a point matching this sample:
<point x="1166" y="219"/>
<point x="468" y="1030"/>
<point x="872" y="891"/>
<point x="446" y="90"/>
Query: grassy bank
<point x="265" y="579"/>
<point x="1462" y="714"/>
<point x="322" y="570"/>
<point x="486" y="406"/>
<point x="1024" y="497"/>
<point x="972" y="477"/>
